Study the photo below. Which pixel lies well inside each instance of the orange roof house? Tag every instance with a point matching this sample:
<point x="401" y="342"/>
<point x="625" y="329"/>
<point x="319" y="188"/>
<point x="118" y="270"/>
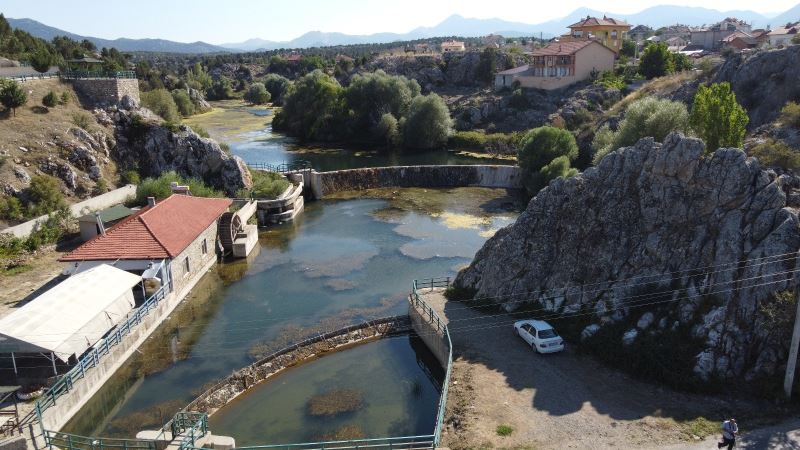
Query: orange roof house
<point x="179" y="228"/>
<point x="608" y="31"/>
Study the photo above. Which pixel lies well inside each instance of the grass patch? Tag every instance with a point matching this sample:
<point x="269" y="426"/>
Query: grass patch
<point x="160" y="187"/>
<point x="700" y="427"/>
<point x="335" y="402"/>
<point x="504" y="430"/>
<point x="15" y="270"/>
<point x="266" y="185"/>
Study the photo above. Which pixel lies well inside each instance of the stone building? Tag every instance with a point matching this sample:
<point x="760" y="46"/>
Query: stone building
<point x="171" y="242"/>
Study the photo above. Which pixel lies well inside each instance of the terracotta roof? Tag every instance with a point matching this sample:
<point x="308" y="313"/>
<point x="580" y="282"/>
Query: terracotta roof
<point x="161" y="231"/>
<point x="566" y="48"/>
<point x="736" y="35"/>
<point x="594" y="22"/>
<point x="789" y="28"/>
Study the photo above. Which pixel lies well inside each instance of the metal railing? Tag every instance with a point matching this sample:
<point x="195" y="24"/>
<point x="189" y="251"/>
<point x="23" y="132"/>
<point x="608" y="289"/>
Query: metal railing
<point x="285" y="167"/>
<point x="396" y="443"/>
<point x="55" y="440"/>
<point x="92" y="358"/>
<point x="441" y="327"/>
<point x="187" y="427"/>
<point x="88" y="74"/>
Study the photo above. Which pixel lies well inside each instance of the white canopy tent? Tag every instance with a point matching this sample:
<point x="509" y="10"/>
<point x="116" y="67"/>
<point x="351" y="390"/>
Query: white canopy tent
<point x="72" y="316"/>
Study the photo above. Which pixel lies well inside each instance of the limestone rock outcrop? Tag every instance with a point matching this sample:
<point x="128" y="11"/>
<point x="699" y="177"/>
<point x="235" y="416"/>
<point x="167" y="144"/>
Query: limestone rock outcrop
<point x="143" y="143"/>
<point x="713" y="234"/>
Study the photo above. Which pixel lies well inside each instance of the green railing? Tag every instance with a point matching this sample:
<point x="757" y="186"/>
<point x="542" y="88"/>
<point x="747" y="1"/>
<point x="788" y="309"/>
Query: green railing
<point x="441" y="327"/>
<point x="55" y="440"/>
<point x="187" y="427"/>
<point x="396" y="443"/>
<point x="292" y="166"/>
<point x="87" y="74"/>
<point x="92" y="358"/>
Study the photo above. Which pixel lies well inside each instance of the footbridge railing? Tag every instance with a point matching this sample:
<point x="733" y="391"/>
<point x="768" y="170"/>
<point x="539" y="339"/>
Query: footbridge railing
<point x="55" y="440"/>
<point x="285" y="167"/>
<point x="396" y="443"/>
<point x="438" y="326"/>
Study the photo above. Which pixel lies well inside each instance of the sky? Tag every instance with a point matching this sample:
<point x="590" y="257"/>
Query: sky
<point x="226" y="21"/>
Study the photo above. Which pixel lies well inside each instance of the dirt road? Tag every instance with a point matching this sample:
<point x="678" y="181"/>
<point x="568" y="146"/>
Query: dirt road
<point x="562" y="400"/>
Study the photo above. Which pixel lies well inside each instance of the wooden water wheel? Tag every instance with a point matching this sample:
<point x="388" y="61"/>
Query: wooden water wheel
<point x="229" y="225"/>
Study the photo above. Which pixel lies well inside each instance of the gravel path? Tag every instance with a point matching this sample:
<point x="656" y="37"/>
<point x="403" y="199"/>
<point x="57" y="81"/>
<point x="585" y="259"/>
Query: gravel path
<point x="562" y="400"/>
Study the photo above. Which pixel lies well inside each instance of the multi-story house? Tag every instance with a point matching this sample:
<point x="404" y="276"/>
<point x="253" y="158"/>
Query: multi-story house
<point x="608" y="31"/>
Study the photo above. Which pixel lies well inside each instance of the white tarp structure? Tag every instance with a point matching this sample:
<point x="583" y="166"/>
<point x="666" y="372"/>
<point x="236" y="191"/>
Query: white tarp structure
<point x="72" y="316"/>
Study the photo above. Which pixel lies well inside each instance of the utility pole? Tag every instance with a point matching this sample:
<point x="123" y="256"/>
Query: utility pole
<point x="788" y="380"/>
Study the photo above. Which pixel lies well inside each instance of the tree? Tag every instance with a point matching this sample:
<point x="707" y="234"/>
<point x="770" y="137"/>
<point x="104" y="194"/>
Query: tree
<point x="718" y="118"/>
<point x="656" y="61"/>
<point x="487" y="65"/>
<point x="313" y="108"/>
<point x="628" y="48"/>
<point x="183" y="102"/>
<point x="372" y="95"/>
<point x="257" y="94"/>
<point x="12" y="96"/>
<point x="681" y="62"/>
<point x="428" y="124"/>
<point x="277" y="86"/>
<point x="160" y="102"/>
<point x="221" y="89"/>
<point x="41" y="60"/>
<point x="539" y="149"/>
<point x="44" y="196"/>
<point x="647" y="117"/>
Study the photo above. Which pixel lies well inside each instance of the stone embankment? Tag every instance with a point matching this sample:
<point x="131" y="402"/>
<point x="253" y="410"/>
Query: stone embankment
<point x="714" y="234"/>
<point x="244" y="379"/>
<point x="491" y="176"/>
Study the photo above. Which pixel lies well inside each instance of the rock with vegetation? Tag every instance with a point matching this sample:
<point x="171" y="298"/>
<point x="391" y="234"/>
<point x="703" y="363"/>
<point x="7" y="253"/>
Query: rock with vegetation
<point x="662" y="229"/>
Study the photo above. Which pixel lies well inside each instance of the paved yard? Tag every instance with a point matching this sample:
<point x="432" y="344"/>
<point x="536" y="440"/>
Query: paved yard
<point x="562" y="400"/>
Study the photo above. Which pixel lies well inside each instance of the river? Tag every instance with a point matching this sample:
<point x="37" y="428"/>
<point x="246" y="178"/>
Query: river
<point x="345" y="259"/>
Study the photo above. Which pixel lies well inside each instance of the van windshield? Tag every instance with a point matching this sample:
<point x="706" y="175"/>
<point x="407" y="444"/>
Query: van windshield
<point x="546" y="334"/>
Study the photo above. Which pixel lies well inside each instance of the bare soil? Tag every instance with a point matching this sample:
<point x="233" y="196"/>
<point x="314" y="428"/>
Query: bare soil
<point x="563" y="400"/>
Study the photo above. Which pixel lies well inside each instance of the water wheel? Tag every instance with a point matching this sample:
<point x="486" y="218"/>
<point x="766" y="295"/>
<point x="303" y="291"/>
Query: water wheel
<point x="229" y="225"/>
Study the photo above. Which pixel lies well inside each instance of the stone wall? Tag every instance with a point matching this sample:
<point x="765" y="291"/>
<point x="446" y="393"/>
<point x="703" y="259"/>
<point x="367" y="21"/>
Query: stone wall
<point x="240" y="381"/>
<point x="106" y="91"/>
<point x="324" y="183"/>
<point x="198" y="261"/>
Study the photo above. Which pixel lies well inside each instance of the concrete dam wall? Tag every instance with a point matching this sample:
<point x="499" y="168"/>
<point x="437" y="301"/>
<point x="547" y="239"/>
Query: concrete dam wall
<point x="491" y="176"/>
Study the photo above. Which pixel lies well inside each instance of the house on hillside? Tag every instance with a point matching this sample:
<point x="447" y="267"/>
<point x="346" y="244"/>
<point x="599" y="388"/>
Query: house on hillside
<point x="171" y="242"/>
<point x="608" y="31"/>
<point x="558" y="65"/>
<point x="640" y="32"/>
<point x="783" y="35"/>
<point x="711" y="37"/>
<point x="739" y="40"/>
<point x="453" y="46"/>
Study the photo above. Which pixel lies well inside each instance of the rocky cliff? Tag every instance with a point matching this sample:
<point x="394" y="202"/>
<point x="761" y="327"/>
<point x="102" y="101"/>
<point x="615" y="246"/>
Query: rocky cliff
<point x="657" y="237"/>
<point x="142" y="142"/>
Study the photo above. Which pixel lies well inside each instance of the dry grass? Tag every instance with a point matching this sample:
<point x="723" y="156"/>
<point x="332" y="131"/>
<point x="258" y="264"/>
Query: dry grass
<point x="655" y="87"/>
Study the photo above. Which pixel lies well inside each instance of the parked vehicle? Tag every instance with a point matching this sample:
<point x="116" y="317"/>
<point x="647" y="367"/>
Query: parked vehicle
<point x="539" y="335"/>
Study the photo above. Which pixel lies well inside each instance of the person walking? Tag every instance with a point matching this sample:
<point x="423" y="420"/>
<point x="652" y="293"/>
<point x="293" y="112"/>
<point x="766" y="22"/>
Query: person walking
<point x="729" y="432"/>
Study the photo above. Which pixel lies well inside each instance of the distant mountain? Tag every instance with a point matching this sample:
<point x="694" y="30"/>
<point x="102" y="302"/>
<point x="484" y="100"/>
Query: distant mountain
<point x="43" y="31"/>
<point x="792" y="15"/>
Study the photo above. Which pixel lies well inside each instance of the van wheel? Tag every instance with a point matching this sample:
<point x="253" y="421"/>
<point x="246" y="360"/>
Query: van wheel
<point x="533" y="347"/>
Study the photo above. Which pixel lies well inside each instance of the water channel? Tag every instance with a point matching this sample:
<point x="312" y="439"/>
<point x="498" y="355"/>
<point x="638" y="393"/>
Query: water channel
<point x="346" y="259"/>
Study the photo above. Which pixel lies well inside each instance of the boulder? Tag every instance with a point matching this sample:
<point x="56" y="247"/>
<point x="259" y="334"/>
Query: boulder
<point x="661" y="211"/>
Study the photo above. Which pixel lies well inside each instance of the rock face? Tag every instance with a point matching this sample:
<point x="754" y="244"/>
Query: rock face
<point x="154" y="149"/>
<point x="763" y="82"/>
<point x="656" y="218"/>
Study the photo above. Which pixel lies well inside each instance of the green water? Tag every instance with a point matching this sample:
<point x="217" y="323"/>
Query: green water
<point x="342" y="261"/>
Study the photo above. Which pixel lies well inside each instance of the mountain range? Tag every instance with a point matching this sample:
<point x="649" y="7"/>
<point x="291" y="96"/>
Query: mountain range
<point x="455" y="25"/>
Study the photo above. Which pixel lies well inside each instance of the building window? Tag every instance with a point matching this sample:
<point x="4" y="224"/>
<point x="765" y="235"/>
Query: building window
<point x="204" y="247"/>
<point x="578" y="33"/>
<point x="186" y="267"/>
<point x="614" y="34"/>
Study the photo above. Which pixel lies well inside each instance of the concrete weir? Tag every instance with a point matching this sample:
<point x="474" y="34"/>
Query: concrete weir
<point x="320" y="184"/>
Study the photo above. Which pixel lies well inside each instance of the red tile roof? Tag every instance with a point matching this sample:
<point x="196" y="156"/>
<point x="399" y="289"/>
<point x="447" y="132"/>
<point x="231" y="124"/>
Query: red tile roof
<point x="594" y="22"/>
<point x="161" y="231"/>
<point x="565" y="48"/>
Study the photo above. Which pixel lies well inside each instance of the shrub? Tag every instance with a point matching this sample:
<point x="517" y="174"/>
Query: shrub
<point x="772" y="153"/>
<point x="475" y="140"/>
<point x="183" y="102"/>
<point x="428" y="124"/>
<point x="266" y="185"/>
<point x="11" y="208"/>
<point x="101" y="187"/>
<point x="518" y="99"/>
<point x="12" y="96"/>
<point x="717" y="117"/>
<point x="64" y="98"/>
<point x="44" y="196"/>
<point x="82" y="120"/>
<point x="257" y="94"/>
<point x="160" y="101"/>
<point x="221" y="89"/>
<point x="160" y="187"/>
<point x="130" y="177"/>
<point x="202" y="132"/>
<point x="504" y="430"/>
<point x="277" y="87"/>
<point x="648" y="117"/>
<point x="790" y="115"/>
<point x="539" y="148"/>
<point x="611" y="80"/>
<point x="50" y="100"/>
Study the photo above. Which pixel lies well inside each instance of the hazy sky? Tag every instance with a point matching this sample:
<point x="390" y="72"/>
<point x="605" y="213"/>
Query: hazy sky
<point x="222" y="21"/>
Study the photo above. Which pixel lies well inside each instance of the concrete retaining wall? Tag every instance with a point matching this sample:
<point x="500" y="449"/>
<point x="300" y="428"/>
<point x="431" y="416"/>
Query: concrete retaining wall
<point x="492" y="176"/>
<point x="106" y="91"/>
<point x="434" y="339"/>
<point x="242" y="380"/>
<point x="70" y="403"/>
<point x="103" y="201"/>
